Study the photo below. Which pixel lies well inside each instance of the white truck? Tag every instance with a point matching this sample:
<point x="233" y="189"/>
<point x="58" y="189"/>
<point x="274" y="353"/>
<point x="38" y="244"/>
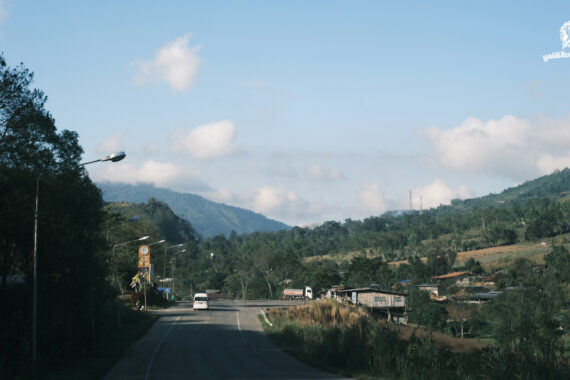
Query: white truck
<point x="291" y="294"/>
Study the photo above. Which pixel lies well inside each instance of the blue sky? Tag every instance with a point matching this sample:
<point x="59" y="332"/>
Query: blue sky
<point x="305" y="111"/>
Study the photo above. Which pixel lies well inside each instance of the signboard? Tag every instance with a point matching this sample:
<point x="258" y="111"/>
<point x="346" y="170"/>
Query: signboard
<point x="144" y="256"/>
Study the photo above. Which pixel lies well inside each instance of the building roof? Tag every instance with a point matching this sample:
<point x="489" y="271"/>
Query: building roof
<point x="450" y="275"/>
<point x="372" y="290"/>
<point x="485" y="296"/>
<point x="428" y="285"/>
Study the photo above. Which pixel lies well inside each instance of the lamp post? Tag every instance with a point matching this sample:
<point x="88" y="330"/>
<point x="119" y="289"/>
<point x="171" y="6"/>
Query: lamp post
<point x="113" y="158"/>
<point x="174" y="266"/>
<point x="164" y="263"/>
<point x="115" y="277"/>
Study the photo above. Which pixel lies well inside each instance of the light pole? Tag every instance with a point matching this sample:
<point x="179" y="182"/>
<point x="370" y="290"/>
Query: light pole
<point x="164" y="264"/>
<point x="115" y="277"/>
<point x="155" y="243"/>
<point x="113" y="158"/>
<point x="174" y="266"/>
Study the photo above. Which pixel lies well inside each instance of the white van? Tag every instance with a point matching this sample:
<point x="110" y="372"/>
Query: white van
<point x="201" y="301"/>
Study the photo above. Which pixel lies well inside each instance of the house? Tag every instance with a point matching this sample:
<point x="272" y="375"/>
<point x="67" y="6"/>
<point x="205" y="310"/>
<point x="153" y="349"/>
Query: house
<point x="478" y="298"/>
<point x="386" y="302"/>
<point x="460" y="278"/>
<point x="431" y="288"/>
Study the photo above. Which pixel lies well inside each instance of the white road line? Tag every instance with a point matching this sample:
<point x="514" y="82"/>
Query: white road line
<point x="157" y="348"/>
<point x="239" y="328"/>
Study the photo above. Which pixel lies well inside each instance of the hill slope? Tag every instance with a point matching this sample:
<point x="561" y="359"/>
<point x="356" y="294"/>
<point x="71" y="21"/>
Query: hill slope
<point x="554" y="186"/>
<point x="207" y="218"/>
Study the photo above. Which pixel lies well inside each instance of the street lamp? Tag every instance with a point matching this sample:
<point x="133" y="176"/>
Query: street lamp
<point x="164" y="262"/>
<point x="113" y="158"/>
<point x="174" y="266"/>
<point x="157" y="242"/>
<point x="115" y="277"/>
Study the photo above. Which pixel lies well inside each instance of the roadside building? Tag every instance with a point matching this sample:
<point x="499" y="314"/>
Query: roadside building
<point x="389" y="303"/>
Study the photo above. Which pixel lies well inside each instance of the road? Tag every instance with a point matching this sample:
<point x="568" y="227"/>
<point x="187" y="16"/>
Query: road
<point x="226" y="342"/>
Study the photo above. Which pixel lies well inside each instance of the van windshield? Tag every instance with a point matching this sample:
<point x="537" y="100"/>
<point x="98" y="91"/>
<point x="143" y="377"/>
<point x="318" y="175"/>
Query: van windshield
<point x="197" y="298"/>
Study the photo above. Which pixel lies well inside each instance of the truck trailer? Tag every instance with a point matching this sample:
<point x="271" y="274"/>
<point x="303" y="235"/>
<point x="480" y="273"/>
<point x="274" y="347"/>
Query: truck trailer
<point x="291" y="294"/>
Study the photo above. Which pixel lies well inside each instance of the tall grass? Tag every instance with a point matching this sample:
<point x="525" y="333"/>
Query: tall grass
<point x="347" y="340"/>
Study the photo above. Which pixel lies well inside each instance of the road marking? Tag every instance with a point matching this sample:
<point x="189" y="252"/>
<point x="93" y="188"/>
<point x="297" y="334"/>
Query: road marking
<point x="239" y="328"/>
<point x="157" y="348"/>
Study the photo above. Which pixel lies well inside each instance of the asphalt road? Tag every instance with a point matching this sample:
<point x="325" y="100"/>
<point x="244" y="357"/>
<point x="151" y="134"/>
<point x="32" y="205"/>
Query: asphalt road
<point x="226" y="342"/>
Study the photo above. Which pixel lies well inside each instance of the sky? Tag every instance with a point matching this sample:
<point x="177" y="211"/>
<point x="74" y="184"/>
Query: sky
<point x="306" y="111"/>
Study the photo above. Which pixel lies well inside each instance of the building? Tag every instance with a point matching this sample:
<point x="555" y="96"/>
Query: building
<point x="385" y="302"/>
<point x="430" y="288"/>
<point x="460" y="278"/>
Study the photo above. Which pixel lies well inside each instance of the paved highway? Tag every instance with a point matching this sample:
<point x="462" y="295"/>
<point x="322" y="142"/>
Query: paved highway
<point x="226" y="342"/>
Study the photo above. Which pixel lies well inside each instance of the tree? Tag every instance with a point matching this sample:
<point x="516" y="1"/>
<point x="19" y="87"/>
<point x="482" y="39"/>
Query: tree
<point x="70" y="266"/>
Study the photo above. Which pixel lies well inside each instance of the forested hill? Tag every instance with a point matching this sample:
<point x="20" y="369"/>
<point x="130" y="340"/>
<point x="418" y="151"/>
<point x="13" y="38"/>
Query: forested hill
<point x="207" y="218"/>
<point x="553" y="186"/>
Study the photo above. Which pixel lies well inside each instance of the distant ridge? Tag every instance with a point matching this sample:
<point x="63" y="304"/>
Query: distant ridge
<point x="555" y="186"/>
<point x="206" y="217"/>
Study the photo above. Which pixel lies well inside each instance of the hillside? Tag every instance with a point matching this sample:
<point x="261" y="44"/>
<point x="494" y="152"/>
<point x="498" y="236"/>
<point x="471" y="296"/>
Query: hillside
<point x="554" y="186"/>
<point x="206" y="217"/>
<point x="170" y="226"/>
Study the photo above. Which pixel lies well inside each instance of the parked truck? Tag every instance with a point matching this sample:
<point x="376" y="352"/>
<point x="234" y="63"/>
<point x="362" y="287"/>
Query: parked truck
<point x="290" y="294"/>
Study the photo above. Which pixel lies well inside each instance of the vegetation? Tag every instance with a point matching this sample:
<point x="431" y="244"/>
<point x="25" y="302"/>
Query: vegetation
<point x="348" y="340"/>
<point x="76" y="237"/>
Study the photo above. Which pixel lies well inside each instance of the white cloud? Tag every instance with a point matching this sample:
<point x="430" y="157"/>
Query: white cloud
<point x="161" y="174"/>
<point x="323" y="172"/>
<point x="548" y="163"/>
<point x="206" y="141"/>
<point x="435" y="194"/>
<point x="372" y="200"/>
<point x="4" y="13"/>
<point x="510" y="146"/>
<point x="475" y="145"/>
<point x="274" y="202"/>
<point x="176" y="63"/>
<point x="111" y="144"/>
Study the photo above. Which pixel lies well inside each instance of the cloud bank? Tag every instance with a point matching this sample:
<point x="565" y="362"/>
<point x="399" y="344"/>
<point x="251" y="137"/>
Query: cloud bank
<point x="160" y="174"/>
<point x="511" y="146"/>
<point x="435" y="194"/>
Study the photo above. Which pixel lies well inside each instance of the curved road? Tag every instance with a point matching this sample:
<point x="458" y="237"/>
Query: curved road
<point x="226" y="342"/>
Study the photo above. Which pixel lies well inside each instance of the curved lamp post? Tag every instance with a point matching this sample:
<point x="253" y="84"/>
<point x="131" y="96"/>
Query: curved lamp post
<point x="174" y="266"/>
<point x="115" y="277"/>
<point x="113" y="158"/>
<point x="164" y="264"/>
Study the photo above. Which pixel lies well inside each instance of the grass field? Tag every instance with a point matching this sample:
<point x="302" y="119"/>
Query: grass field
<point x="488" y="257"/>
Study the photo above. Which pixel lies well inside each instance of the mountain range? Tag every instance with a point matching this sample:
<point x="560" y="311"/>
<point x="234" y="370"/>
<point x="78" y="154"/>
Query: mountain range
<point x="206" y="217"/>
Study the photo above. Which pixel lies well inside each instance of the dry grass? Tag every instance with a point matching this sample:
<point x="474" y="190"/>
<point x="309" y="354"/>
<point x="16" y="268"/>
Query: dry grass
<point x="327" y="313"/>
<point x="489" y="258"/>
<point x="332" y="314"/>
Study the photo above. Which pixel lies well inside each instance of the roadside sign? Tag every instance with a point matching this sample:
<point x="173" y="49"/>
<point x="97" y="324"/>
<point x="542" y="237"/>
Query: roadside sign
<point x="144" y="257"/>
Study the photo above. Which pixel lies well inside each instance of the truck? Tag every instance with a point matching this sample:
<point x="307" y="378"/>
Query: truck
<point x="291" y="294"/>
